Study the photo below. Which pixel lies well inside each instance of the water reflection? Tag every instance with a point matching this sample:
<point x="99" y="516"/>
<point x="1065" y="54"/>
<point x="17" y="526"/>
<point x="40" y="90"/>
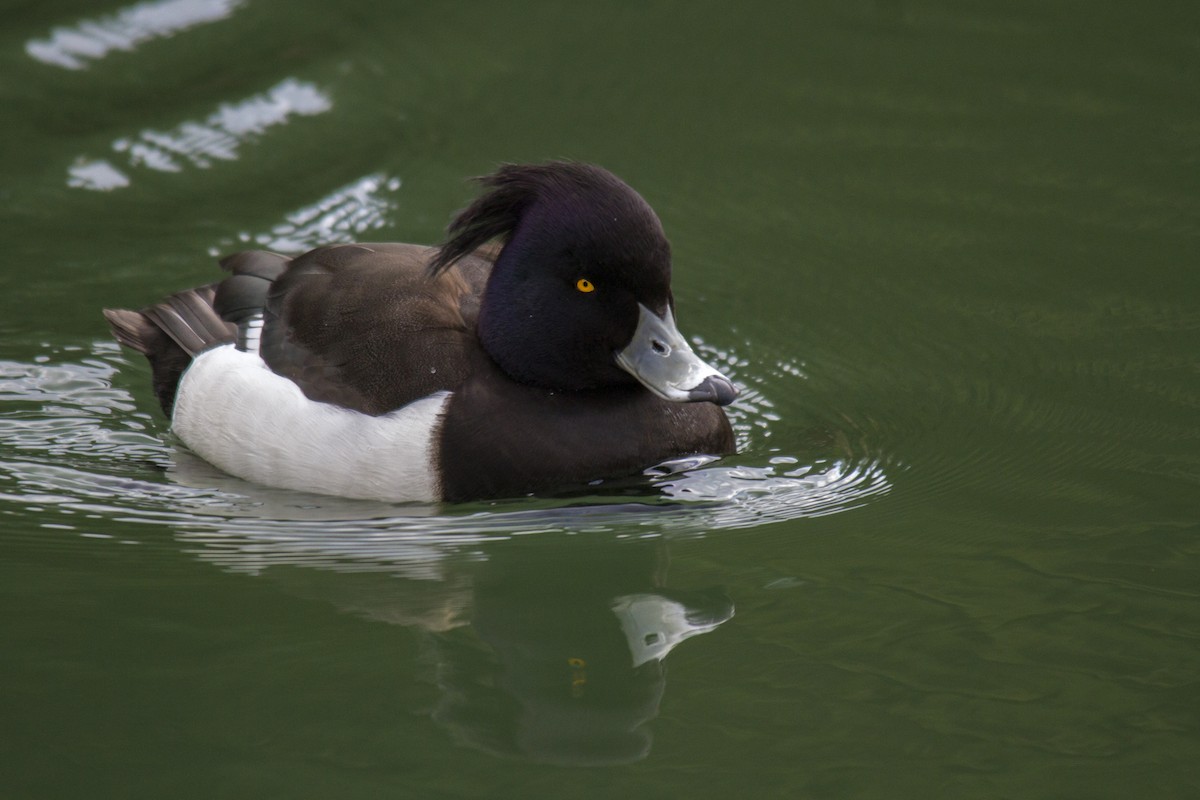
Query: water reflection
<point x="92" y="39"/>
<point x="96" y="174"/>
<point x="341" y="216"/>
<point x="216" y="138"/>
<point x="550" y="650"/>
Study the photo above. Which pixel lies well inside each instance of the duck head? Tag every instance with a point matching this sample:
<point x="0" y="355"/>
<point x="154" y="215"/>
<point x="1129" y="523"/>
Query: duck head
<point x="580" y="294"/>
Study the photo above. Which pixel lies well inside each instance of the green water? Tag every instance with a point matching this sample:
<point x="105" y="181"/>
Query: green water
<point x="947" y="249"/>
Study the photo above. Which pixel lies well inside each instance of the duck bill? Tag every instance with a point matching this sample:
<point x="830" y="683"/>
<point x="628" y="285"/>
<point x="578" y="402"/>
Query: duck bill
<point x="663" y="361"/>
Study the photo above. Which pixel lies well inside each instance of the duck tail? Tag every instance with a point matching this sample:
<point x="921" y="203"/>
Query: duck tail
<point x="170" y="333"/>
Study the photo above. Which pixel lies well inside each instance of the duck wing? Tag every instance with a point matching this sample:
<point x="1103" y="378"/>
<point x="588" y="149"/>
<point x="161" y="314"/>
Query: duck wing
<point x="363" y="326"/>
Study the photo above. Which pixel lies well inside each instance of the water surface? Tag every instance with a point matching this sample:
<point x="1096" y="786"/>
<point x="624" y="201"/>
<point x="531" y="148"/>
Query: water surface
<point x="947" y="251"/>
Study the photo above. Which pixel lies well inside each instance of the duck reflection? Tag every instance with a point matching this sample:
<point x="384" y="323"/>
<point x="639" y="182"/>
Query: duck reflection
<point x="563" y="659"/>
<point x="549" y="648"/>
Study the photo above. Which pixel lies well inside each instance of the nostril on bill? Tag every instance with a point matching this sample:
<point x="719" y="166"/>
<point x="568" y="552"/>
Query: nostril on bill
<point x="659" y="348"/>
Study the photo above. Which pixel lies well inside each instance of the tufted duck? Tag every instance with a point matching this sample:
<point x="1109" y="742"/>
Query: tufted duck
<point x="535" y="349"/>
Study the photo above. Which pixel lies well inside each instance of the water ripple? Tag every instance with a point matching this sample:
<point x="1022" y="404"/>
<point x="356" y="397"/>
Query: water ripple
<point x="71" y="442"/>
<point x="341" y="216"/>
<point x="200" y="144"/>
<point x="93" y="39"/>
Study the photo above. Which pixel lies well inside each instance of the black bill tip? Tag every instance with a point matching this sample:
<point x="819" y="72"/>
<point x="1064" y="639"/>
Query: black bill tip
<point x="714" y="389"/>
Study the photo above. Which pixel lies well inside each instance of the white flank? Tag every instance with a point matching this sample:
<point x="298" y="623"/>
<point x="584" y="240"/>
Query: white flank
<point x="238" y="415"/>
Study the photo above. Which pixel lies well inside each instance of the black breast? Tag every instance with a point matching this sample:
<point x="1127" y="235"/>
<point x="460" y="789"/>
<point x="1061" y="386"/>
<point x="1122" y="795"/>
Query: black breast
<point x="502" y="439"/>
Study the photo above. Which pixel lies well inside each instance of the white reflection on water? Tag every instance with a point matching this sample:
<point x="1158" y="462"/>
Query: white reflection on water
<point x="340" y="216"/>
<point x="98" y="175"/>
<point x="92" y="39"/>
<point x="223" y="131"/>
<point x="217" y="138"/>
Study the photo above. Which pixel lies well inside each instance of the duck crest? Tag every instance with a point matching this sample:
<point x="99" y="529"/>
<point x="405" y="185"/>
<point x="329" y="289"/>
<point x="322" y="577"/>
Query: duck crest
<point x="580" y="193"/>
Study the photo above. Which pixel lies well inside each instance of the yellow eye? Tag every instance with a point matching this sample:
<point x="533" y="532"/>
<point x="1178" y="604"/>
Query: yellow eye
<point x="584" y="285"/>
